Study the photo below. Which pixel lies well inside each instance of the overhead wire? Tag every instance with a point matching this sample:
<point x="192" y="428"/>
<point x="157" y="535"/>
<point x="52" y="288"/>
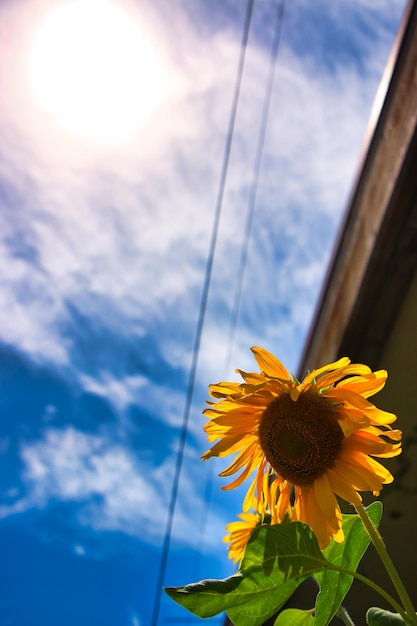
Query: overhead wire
<point x="248" y="226"/>
<point x="240" y="275"/>
<point x="201" y="317"/>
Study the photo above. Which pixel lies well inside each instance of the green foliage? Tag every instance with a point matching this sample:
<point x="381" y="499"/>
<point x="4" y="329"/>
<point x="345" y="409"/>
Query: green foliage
<point x="380" y="617"/>
<point x="294" y="617"/>
<point x="277" y="559"/>
<point x="334" y="585"/>
<point x="246" y="599"/>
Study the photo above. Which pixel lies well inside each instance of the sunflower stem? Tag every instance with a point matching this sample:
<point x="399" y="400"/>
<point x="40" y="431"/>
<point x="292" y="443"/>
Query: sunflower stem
<point x="384" y="594"/>
<point x="379" y="545"/>
<point x="344" y="616"/>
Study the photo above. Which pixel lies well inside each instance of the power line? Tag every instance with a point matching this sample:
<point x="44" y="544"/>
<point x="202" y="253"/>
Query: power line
<point x="201" y="317"/>
<point x="249" y="220"/>
<point x="234" y="318"/>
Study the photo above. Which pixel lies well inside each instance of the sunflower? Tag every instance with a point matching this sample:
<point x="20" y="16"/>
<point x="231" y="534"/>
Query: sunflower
<point x="239" y="534"/>
<point x="303" y="443"/>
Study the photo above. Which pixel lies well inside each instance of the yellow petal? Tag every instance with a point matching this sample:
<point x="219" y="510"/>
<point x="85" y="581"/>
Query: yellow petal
<point x="310" y="512"/>
<point x="221" y="390"/>
<point x="295" y="393"/>
<point x="284" y="502"/>
<point x="329" y="379"/>
<point x="224" y="447"/>
<point x="325" y="497"/>
<point x="269" y="364"/>
<point x="346" y="395"/>
<point x="343" y="488"/>
<point x="252" y="378"/>
<point x="250" y="501"/>
<point x="252" y="455"/>
<point x="378" y="416"/>
<point x="373" y="444"/>
<point x="239" y="480"/>
<point x="358" y="476"/>
<point x="366" y="385"/>
<point x="326" y="368"/>
<point x="238" y="418"/>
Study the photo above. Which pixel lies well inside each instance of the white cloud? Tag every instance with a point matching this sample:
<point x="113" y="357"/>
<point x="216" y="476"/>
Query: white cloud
<point x="122" y="237"/>
<point x="120" y="392"/>
<point x="109" y="247"/>
<point x="164" y="401"/>
<point x="30" y="315"/>
<point x="115" y="490"/>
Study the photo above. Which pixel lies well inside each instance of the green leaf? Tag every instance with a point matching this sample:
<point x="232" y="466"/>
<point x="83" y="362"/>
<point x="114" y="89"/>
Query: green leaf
<point x="289" y="550"/>
<point x="209" y="597"/>
<point x="246" y="599"/>
<point x="380" y="617"/>
<point x="335" y="585"/>
<point x="276" y="560"/>
<point x="263" y="605"/>
<point x="294" y="617"/>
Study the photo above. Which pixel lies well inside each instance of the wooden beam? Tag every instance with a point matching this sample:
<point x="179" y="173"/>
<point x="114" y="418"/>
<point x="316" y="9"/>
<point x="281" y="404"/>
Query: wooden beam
<point x="376" y="253"/>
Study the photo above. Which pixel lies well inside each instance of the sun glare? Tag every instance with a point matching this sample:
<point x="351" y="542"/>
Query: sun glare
<point x="94" y="70"/>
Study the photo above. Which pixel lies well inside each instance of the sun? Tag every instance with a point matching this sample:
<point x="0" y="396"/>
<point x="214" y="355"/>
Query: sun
<point x="92" y="68"/>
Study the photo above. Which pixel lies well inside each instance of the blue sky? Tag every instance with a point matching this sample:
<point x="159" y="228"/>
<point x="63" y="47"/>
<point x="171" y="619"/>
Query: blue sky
<point x="103" y="249"/>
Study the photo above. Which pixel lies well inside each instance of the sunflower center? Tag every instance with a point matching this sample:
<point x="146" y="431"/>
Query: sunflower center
<point x="301" y="439"/>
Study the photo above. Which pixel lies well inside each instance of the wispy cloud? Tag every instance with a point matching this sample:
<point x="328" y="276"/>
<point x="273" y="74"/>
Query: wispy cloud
<point x="123" y="241"/>
<point x="121" y="392"/>
<point x="111" y="487"/>
<point x="103" y="253"/>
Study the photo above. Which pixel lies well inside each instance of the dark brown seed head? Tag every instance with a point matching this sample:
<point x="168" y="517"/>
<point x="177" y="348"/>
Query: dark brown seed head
<point x="300" y="439"/>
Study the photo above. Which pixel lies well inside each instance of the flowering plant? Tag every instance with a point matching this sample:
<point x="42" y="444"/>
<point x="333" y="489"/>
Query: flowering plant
<point x="301" y="445"/>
